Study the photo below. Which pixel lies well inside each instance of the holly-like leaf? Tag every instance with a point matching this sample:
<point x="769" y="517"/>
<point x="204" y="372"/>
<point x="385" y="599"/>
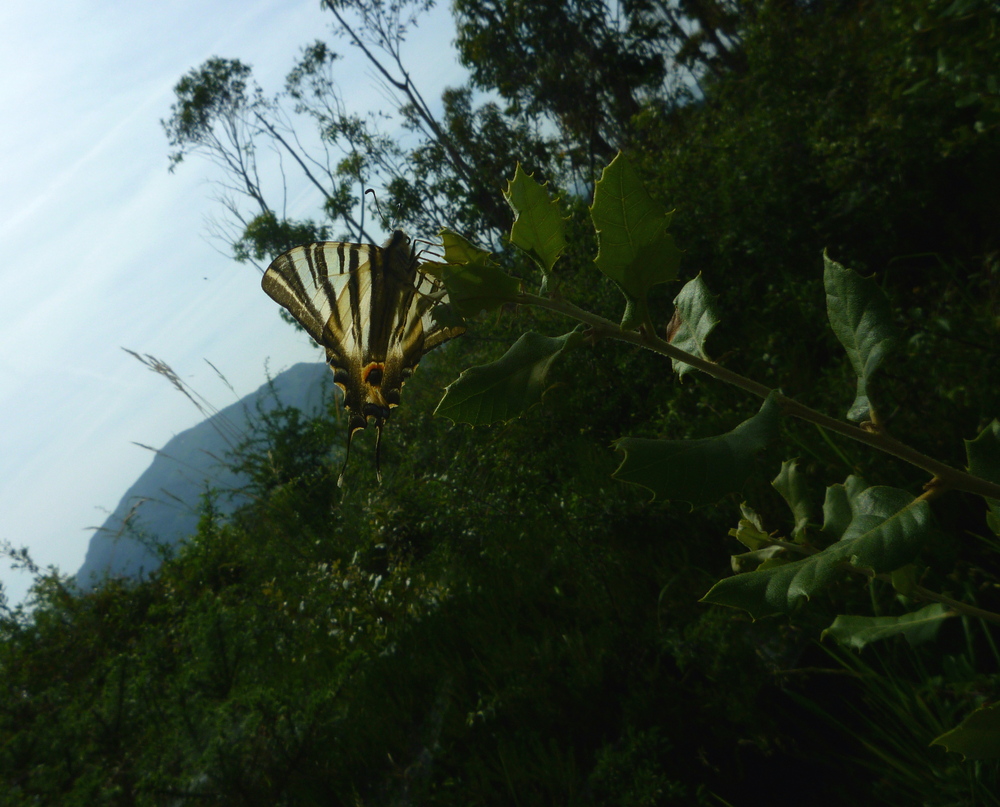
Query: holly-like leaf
<point x="919" y="626"/>
<point x="697" y="317"/>
<point x="458" y="249"/>
<point x="794" y="490"/>
<point x="984" y="461"/>
<point x="750" y="532"/>
<point x="860" y="317"/>
<point x="837" y="512"/>
<point x="762" y="558"/>
<point x="699" y="471"/>
<point x="635" y="249"/>
<point x="539" y="227"/>
<point x="473" y="281"/>
<point x="446" y="315"/>
<point x="887" y="530"/>
<point x="976" y="737"/>
<point x="504" y="389"/>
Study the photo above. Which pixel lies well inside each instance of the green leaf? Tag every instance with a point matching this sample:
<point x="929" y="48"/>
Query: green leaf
<point x="504" y="389"/>
<point x="473" y="281"/>
<point x="699" y="471"/>
<point x="905" y="580"/>
<point x="837" y="513"/>
<point x="886" y="532"/>
<point x="976" y="737"/>
<point x="446" y="316"/>
<point x="919" y="626"/>
<point x="539" y="228"/>
<point x="759" y="558"/>
<point x="475" y="287"/>
<point x="634" y="248"/>
<point x="459" y="250"/>
<point x="793" y="489"/>
<point x="860" y="317"/>
<point x="750" y="532"/>
<point x="696" y="311"/>
<point x="984" y="461"/>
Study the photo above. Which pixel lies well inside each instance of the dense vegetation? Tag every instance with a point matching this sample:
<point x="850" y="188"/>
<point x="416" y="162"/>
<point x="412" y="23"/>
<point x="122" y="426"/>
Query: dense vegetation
<point x="502" y="622"/>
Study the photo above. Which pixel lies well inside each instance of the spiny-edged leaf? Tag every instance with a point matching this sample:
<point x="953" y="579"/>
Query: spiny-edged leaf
<point x="751" y="515"/>
<point x="459" y="249"/>
<point x="888" y="528"/>
<point x="976" y="737"/>
<point x="473" y="281"/>
<point x="984" y="462"/>
<point x="860" y="317"/>
<point x="837" y="513"/>
<point x="765" y="557"/>
<point x="699" y="471"/>
<point x="634" y="248"/>
<point x="697" y="316"/>
<point x="919" y="626"/>
<point x="794" y="490"/>
<point x="539" y="228"/>
<point x="504" y="389"/>
<point x="750" y="532"/>
<point x="475" y="286"/>
<point x="625" y="215"/>
<point x="446" y="315"/>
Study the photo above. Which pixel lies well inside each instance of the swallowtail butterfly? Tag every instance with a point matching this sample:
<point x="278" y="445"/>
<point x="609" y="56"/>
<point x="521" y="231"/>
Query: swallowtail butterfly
<point x="373" y="312"/>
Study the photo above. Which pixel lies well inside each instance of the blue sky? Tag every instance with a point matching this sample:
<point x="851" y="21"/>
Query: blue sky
<point x="101" y="248"/>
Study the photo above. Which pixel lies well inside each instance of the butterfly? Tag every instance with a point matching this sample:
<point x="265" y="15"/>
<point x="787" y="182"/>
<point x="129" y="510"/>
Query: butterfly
<point x="374" y="312"/>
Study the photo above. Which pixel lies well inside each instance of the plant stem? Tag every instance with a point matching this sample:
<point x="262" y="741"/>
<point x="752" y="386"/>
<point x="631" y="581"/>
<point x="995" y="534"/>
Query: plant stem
<point x="957" y="605"/>
<point x="944" y="477"/>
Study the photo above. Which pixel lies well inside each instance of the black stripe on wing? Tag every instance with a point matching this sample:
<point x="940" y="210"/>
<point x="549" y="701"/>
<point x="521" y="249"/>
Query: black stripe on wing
<point x="310" y="281"/>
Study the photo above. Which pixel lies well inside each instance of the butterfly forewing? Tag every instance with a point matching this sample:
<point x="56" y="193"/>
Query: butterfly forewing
<point x="312" y="282"/>
<point x="370" y="308"/>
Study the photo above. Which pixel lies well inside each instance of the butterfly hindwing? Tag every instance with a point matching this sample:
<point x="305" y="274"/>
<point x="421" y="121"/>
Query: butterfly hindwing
<point x="371" y="309"/>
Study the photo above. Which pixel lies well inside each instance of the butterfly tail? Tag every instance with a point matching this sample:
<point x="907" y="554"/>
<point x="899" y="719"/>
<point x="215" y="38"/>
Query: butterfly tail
<point x="378" y="451"/>
<point x="353" y="427"/>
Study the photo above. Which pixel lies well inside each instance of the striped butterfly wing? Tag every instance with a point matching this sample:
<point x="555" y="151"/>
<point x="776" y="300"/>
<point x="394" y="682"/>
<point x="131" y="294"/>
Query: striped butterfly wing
<point x="373" y="312"/>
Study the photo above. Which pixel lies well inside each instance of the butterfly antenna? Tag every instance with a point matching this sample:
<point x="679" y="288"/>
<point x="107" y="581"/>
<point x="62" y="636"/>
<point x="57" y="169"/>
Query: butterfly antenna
<point x="385" y="221"/>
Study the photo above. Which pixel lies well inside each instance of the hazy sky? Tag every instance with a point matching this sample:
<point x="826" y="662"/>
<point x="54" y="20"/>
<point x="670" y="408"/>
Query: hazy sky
<point x="101" y="248"/>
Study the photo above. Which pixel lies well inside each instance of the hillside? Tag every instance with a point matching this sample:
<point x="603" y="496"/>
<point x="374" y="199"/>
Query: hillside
<point x="161" y="506"/>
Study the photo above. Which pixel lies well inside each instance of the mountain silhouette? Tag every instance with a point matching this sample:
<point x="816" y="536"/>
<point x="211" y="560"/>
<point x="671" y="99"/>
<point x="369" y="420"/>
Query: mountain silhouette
<point x="161" y="508"/>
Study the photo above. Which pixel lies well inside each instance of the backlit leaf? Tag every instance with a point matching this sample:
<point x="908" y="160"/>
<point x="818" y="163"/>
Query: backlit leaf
<point x="473" y="281"/>
<point x="539" y="227"/>
<point x="458" y="249"/>
<point x="919" y="626"/>
<point x="976" y="737"/>
<point x="635" y="249"/>
<point x="860" y="317"/>
<point x="697" y="315"/>
<point x="699" y="471"/>
<point x="504" y="389"/>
